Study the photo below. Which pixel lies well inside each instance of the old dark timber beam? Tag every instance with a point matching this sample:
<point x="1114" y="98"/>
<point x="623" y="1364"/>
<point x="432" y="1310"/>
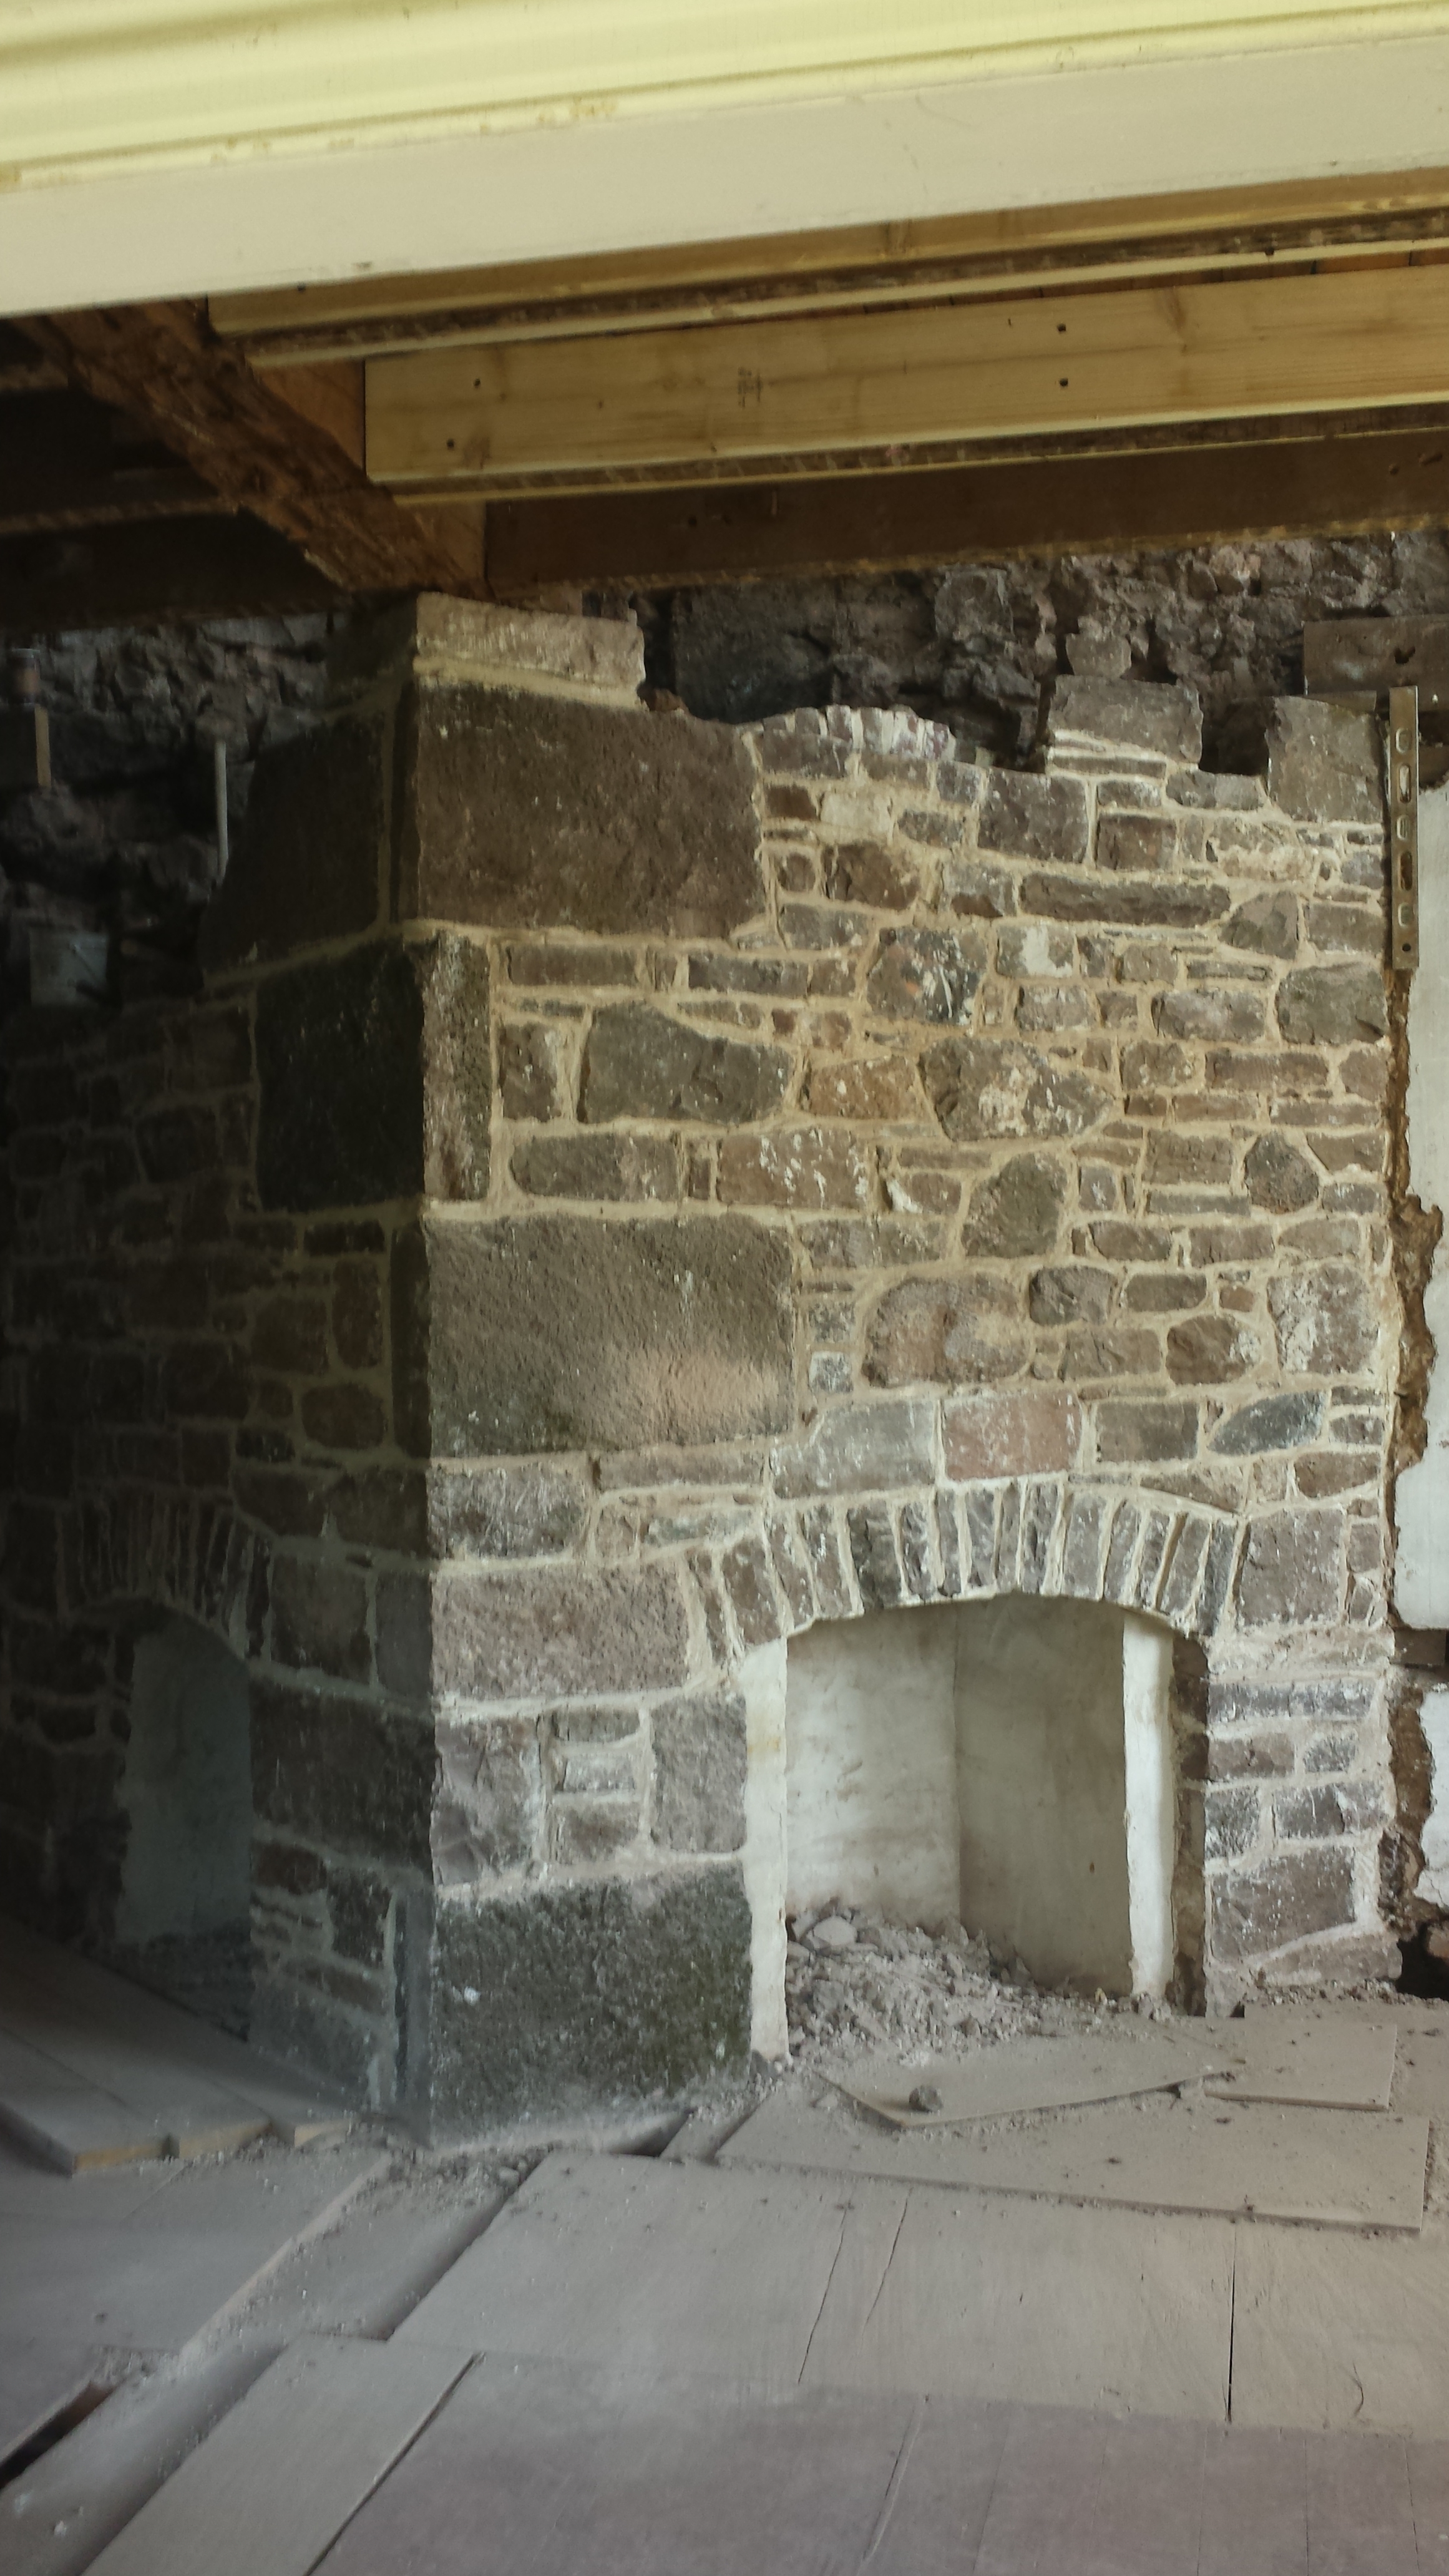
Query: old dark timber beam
<point x="165" y="572"/>
<point x="1084" y="504"/>
<point x="161" y="364"/>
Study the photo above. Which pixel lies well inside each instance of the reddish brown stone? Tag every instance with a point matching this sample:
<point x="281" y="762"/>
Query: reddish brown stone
<point x="1035" y="1433"/>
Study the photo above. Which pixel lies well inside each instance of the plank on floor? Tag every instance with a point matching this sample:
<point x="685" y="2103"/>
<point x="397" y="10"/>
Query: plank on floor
<point x="982" y="2297"/>
<point x="37" y="2379"/>
<point x="655" y="2267"/>
<point x="288" y="2467"/>
<point x="556" y="2469"/>
<point x="1342" y="2332"/>
<point x="1335" y="2168"/>
<point x="1325" y="2060"/>
<point x="1034" y="2074"/>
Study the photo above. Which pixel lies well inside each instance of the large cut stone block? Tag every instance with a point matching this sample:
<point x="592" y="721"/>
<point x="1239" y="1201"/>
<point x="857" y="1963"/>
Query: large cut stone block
<point x="375" y="1077"/>
<point x="310" y="862"/>
<point x="533" y="813"/>
<point x="548" y="1333"/>
<point x="571" y="1994"/>
<point x="1256" y="1912"/>
<point x="558" y="1632"/>
<point x="343" y="1772"/>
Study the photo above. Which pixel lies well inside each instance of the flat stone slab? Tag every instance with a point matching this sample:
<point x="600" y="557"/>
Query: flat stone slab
<point x="1335" y="2168"/>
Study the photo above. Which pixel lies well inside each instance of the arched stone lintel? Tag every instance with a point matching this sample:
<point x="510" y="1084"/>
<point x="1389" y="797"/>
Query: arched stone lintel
<point x="134" y="1551"/>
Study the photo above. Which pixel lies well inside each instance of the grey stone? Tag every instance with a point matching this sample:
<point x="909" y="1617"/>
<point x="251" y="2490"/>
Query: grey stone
<point x="526" y="812"/>
<point x="861" y="1448"/>
<point x="530" y="1070"/>
<point x="1082" y="1546"/>
<point x="596" y="1167"/>
<point x="1255" y="1912"/>
<point x="1208" y="1350"/>
<point x="564" y="1996"/>
<point x="319" y="1618"/>
<point x="1278" y="1177"/>
<point x="699" y="1773"/>
<point x="1134" y="715"/>
<point x="922" y="975"/>
<point x="753" y="1598"/>
<point x="1325" y="1320"/>
<point x="878" y="1569"/>
<point x="640" y="1064"/>
<point x="1129" y="1431"/>
<point x="1325" y="763"/>
<point x="1266" y="926"/>
<point x="457" y="1067"/>
<point x="1228" y="1017"/>
<point x="932" y="1329"/>
<point x="1273" y="1422"/>
<point x="983" y="1088"/>
<point x="1332" y="1005"/>
<point x="559" y="1631"/>
<point x="510" y="1512"/>
<point x="1314" y="1815"/>
<point x="1292" y="1569"/>
<point x="490" y="1799"/>
<point x="309" y="861"/>
<point x="1077" y="1295"/>
<point x="915" y="1542"/>
<point x="1017" y="1211"/>
<point x="1231" y="1823"/>
<point x="551" y="1333"/>
<point x="1028" y="817"/>
<point x="1162" y="902"/>
<point x="340" y="1065"/>
<point x="344" y="1772"/>
<point x="1249" y="1757"/>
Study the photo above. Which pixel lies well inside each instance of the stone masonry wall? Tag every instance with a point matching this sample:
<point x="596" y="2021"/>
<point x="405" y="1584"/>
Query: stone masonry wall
<point x="633" y="1187"/>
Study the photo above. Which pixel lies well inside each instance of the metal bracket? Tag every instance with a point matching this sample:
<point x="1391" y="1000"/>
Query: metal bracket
<point x="1403" y="786"/>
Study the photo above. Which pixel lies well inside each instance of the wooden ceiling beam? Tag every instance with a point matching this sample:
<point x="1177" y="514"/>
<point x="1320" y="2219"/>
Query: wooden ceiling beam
<point x="683" y="406"/>
<point x="170" y="572"/>
<point x="66" y="461"/>
<point x="162" y="365"/>
<point x="1088" y="504"/>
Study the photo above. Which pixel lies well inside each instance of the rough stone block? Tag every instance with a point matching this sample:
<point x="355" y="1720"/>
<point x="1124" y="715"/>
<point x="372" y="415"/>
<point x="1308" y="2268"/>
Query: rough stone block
<point x="860" y="1449"/>
<point x="374" y="1077"/>
<point x="812" y="1168"/>
<point x="1226" y="1018"/>
<point x="1266" y="926"/>
<point x="558" y="1632"/>
<point x="922" y="975"/>
<point x="1035" y="1433"/>
<point x="1278" y="1177"/>
<point x="343" y="1772"/>
<point x="1208" y="1351"/>
<point x="641" y="1064"/>
<point x="1136" y="842"/>
<point x="699" y="1773"/>
<point x="1332" y="1005"/>
<point x="933" y="1330"/>
<point x="1292" y="1569"/>
<point x="530" y="1070"/>
<point x="1127" y="1432"/>
<point x="1027" y="817"/>
<point x="1232" y="1819"/>
<point x="1077" y="1294"/>
<point x="551" y="1333"/>
<point x="980" y="1088"/>
<point x="1133" y="715"/>
<point x="597" y="1167"/>
<point x="541" y="813"/>
<point x="1255" y="1912"/>
<point x="1017" y="1211"/>
<point x="1325" y="1320"/>
<point x="319" y="1618"/>
<point x="1273" y="1422"/>
<point x="1325" y="763"/>
<point x="881" y="1087"/>
<point x="310" y="862"/>
<point x="489" y="1808"/>
<point x="567" y="1995"/>
<point x="1160" y="902"/>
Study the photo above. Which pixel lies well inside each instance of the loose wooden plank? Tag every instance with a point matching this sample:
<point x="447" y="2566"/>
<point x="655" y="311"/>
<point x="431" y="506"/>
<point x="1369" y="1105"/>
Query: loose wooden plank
<point x="1335" y="2168"/>
<point x="288" y="2467"/>
<point x="527" y="415"/>
<point x="531" y="2465"/>
<point x="69" y="2122"/>
<point x="652" y="2266"/>
<point x="1341" y="2333"/>
<point x="1323" y="2060"/>
<point x="983" y="2296"/>
<point x="39" y="2377"/>
<point x="1035" y="2074"/>
<point x="169" y="2097"/>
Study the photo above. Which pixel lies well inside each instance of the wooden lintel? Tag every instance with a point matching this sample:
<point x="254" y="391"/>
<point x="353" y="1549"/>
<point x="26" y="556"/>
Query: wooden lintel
<point x="1158" y="498"/>
<point x="169" y="572"/>
<point x="678" y="406"/>
<point x="161" y="365"/>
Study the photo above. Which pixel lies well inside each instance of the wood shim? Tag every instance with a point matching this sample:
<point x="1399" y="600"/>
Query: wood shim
<point x="1333" y="2168"/>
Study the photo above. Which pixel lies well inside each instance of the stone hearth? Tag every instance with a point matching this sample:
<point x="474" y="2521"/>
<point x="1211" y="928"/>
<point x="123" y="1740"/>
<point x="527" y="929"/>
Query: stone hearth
<point x="624" y="1190"/>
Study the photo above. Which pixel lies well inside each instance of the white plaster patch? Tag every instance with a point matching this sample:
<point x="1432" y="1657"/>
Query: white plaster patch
<point x="762" y="1681"/>
<point x="1434" y="1877"/>
<point x="1151" y="1818"/>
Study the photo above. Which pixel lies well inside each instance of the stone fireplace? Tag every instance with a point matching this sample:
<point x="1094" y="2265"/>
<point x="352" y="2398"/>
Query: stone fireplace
<point x="646" y="1242"/>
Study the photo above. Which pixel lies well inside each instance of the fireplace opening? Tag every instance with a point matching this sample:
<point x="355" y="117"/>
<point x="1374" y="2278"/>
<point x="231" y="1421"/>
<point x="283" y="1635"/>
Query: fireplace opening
<point x="1006" y="1763"/>
<point x="183" y="1911"/>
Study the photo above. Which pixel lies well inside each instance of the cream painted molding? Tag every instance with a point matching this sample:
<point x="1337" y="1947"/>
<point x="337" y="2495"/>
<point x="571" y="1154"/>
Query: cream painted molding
<point x="248" y="218"/>
<point x="102" y="82"/>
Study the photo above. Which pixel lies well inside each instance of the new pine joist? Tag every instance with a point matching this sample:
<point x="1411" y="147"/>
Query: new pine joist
<point x="679" y="405"/>
<point x="1178" y="496"/>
